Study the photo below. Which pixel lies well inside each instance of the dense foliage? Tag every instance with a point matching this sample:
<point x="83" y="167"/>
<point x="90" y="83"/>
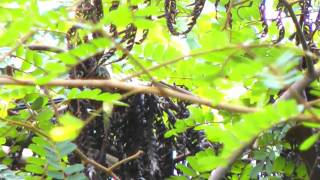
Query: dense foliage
<point x="148" y="89"/>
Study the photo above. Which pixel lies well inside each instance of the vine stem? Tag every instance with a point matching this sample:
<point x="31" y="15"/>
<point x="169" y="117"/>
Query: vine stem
<point x="301" y="37"/>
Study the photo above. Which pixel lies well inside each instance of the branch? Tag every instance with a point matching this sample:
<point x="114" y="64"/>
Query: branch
<point x="38" y="131"/>
<point x="163" y="91"/>
<point x="87" y="160"/>
<point x="123" y="161"/>
<point x="220" y="172"/>
<point x="301" y="37"/>
<point x="300" y="85"/>
<point x="45" y="48"/>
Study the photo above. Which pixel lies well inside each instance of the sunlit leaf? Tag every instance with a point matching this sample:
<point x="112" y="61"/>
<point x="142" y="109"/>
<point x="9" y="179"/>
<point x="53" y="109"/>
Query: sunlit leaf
<point x="309" y="142"/>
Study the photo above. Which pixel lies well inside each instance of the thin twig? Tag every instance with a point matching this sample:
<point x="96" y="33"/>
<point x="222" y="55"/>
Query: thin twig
<point x="123" y="161"/>
<point x="53" y="49"/>
<point x="313" y="102"/>
<point x="87" y="160"/>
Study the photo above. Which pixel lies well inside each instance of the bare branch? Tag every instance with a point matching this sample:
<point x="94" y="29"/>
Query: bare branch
<point x="87" y="160"/>
<point x="300" y="85"/>
<point x="123" y="161"/>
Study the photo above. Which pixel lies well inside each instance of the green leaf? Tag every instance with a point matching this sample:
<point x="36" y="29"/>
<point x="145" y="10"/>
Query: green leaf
<point x="177" y="178"/>
<point x="94" y="94"/>
<point x="119" y="17"/>
<point x="83" y="51"/>
<point x="170" y="133"/>
<point x="186" y="170"/>
<point x="2" y="140"/>
<point x="279" y="164"/>
<point x="40" y="141"/>
<point x="148" y="11"/>
<point x="20" y="51"/>
<point x="65" y="148"/>
<point x="246" y="172"/>
<point x="56" y="174"/>
<point x="143" y="23"/>
<point x="36" y="161"/>
<point x="289" y="168"/>
<point x="16" y="30"/>
<point x="192" y="42"/>
<point x="79" y="176"/>
<point x="73" y="169"/>
<point x="53" y="159"/>
<point x="34" y="168"/>
<point x="37" y="149"/>
<point x="101" y="43"/>
<point x="69" y="120"/>
<point x="311" y="124"/>
<point x="68" y="130"/>
<point x="67" y="58"/>
<point x="260" y="155"/>
<point x="309" y="142"/>
<point x="44" y="118"/>
<point x="285" y="58"/>
<point x="302" y="171"/>
<point x="37" y="59"/>
<point x="38" y="103"/>
<point x="34" y="8"/>
<point x="55" y="68"/>
<point x="256" y="170"/>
